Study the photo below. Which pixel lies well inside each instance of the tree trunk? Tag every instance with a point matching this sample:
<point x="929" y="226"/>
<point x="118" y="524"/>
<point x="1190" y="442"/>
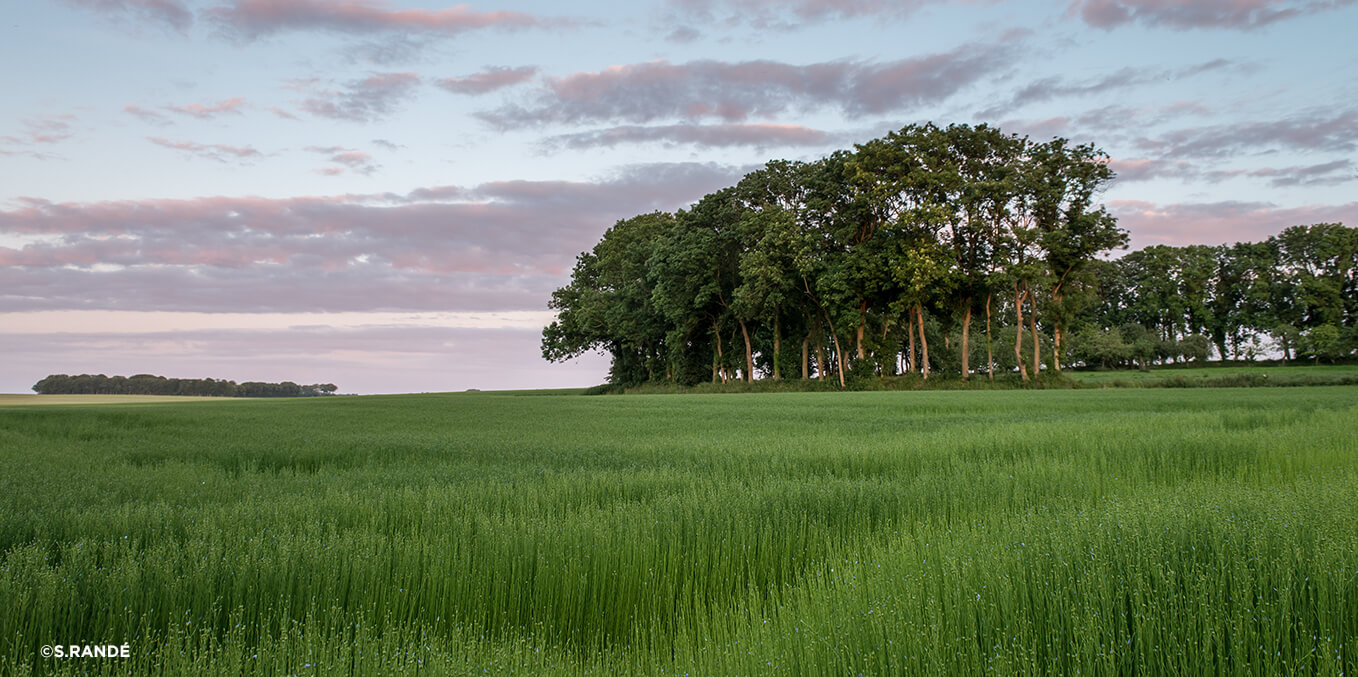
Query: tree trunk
<point x="777" y="346"/>
<point x="820" y="361"/>
<point x="886" y="327"/>
<point x="910" y="334"/>
<point x="806" y="357"/>
<point x="715" y="361"/>
<point x="749" y="356"/>
<point x="923" y="342"/>
<point x="1018" y="333"/>
<point x="862" y="325"/>
<point x="989" y="344"/>
<point x="1032" y="326"/>
<point x="839" y="352"/>
<point x="966" y="341"/>
<point x="1056" y="333"/>
<point x="1056" y="349"/>
<point x="721" y="362"/>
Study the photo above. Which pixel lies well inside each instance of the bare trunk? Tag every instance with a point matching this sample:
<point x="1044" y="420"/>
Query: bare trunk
<point x="1056" y="349"/>
<point x="749" y="356"/>
<point x="886" y="327"/>
<point x="777" y="346"/>
<point x="1032" y="326"/>
<point x="862" y="325"/>
<point x="989" y="344"/>
<point x="806" y="357"/>
<point x="966" y="342"/>
<point x="1018" y="333"/>
<point x="720" y="366"/>
<point x="910" y="334"/>
<point x="715" y="362"/>
<point x="923" y="343"/>
<point x="839" y="352"/>
<point x="820" y="361"/>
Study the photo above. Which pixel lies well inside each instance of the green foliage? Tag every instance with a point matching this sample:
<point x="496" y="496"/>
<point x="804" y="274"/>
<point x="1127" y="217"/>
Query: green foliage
<point x="148" y="384"/>
<point x="920" y="226"/>
<point x="1042" y="532"/>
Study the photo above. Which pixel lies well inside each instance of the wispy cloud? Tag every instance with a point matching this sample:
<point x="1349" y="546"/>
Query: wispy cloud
<point x="208" y="111"/>
<point x="1325" y="130"/>
<point x="790" y="13"/>
<point x="709" y="136"/>
<point x="254" y="18"/>
<point x="363" y="100"/>
<point x="1331" y="173"/>
<point x="500" y="245"/>
<point x="1219" y="222"/>
<point x="489" y="80"/>
<point x="147" y="116"/>
<point x="209" y="151"/>
<point x="734" y="92"/>
<point x="1322" y="174"/>
<point x="43" y="129"/>
<point x="343" y="159"/>
<point x="171" y="13"/>
<point x="1205" y="14"/>
<point x="1049" y="88"/>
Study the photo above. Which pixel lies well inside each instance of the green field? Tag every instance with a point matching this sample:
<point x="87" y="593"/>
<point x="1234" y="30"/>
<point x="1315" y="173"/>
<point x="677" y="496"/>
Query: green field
<point x="1234" y="374"/>
<point x="8" y="400"/>
<point x="1055" y="532"/>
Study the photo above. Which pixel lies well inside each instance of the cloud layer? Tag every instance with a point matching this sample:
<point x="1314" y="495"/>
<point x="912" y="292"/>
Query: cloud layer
<point x="737" y="91"/>
<point x="500" y="245"/>
<point x="1199" y="14"/>
<point x="366" y="100"/>
<point x="255" y="18"/>
<point x="488" y="80"/>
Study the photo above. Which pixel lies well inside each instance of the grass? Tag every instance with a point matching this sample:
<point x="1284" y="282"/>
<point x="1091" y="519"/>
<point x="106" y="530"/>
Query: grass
<point x="1277" y="372"/>
<point x="1123" y="531"/>
<point x="14" y="400"/>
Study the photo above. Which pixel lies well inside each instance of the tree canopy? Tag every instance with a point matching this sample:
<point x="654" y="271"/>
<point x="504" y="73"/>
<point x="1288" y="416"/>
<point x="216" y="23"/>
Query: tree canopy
<point x="149" y="384"/>
<point x="878" y="261"/>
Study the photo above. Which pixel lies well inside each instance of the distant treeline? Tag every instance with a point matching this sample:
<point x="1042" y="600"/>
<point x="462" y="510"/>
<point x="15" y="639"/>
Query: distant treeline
<point x="148" y="384"/>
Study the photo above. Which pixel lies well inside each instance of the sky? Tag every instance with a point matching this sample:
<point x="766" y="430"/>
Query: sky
<point x="384" y="194"/>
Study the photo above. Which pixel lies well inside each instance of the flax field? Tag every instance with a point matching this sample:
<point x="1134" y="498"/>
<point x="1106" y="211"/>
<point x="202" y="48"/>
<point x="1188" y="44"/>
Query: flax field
<point x="1202" y="531"/>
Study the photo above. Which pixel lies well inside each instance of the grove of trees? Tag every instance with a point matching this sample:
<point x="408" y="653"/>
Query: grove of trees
<point x="960" y="250"/>
<point x="148" y="384"/>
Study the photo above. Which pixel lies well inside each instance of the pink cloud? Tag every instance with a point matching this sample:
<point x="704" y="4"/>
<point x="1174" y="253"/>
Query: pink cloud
<point x="1219" y="222"/>
<point x="364" y="100"/>
<point x="733" y="92"/>
<point x="204" y="112"/>
<point x="169" y="12"/>
<point x="759" y="135"/>
<point x="253" y="18"/>
<point x="499" y="245"/>
<point x="147" y="116"/>
<point x="282" y="113"/>
<point x="1145" y="169"/>
<point x="46" y="129"/>
<point x="1229" y="14"/>
<point x="347" y="159"/>
<point x="488" y="80"/>
<point x="785" y="13"/>
<point x="211" y="151"/>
